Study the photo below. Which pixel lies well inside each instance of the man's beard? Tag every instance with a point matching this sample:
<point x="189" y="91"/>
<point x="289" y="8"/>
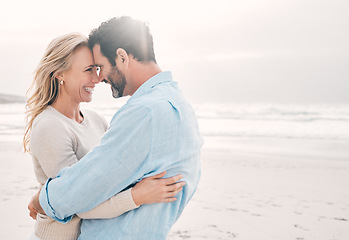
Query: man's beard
<point x="117" y="82"/>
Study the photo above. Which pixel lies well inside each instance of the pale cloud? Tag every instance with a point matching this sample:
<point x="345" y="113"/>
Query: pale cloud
<point x="221" y="49"/>
<point x="231" y="56"/>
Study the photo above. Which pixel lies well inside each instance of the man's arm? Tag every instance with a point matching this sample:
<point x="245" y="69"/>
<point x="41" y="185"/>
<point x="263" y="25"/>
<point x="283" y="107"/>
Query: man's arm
<point x="154" y="189"/>
<point x="150" y="190"/>
<point x="117" y="162"/>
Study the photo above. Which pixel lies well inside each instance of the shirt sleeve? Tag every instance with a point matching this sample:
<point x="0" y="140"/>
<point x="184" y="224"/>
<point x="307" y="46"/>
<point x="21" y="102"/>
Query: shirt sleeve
<point x="52" y="145"/>
<point x="119" y="161"/>
<point x="113" y="207"/>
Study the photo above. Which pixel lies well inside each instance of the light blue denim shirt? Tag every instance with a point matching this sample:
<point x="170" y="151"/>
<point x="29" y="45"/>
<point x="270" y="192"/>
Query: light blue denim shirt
<point x="156" y="130"/>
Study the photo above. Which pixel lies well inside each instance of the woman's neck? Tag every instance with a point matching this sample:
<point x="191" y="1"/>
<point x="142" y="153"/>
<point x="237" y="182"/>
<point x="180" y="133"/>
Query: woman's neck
<point x="68" y="108"/>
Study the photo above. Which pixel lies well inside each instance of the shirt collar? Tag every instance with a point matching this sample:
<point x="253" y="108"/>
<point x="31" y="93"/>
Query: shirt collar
<point x="151" y="82"/>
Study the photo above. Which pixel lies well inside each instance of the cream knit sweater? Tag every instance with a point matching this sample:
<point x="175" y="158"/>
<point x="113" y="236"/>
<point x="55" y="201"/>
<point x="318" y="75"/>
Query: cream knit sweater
<point x="58" y="142"/>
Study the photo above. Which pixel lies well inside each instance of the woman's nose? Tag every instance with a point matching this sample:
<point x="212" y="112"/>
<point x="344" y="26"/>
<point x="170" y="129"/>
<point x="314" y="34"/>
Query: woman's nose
<point x="95" y="78"/>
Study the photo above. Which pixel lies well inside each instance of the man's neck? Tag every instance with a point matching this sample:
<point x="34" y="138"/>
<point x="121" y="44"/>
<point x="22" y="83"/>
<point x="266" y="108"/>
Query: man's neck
<point x="141" y="73"/>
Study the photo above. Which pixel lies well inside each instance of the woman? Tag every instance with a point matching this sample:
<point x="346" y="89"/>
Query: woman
<point x="60" y="134"/>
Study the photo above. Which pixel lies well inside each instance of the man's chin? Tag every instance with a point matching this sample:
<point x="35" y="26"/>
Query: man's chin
<point x="115" y="93"/>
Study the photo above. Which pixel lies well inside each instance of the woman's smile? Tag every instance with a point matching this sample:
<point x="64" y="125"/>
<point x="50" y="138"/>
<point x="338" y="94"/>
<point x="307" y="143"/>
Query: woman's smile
<point x="89" y="89"/>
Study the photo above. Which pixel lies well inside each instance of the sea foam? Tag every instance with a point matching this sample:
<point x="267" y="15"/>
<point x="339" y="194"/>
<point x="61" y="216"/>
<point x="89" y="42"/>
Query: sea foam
<point x="234" y="120"/>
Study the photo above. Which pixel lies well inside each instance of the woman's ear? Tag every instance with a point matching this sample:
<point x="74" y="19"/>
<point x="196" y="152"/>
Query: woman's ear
<point x="60" y="76"/>
<point x="122" y="59"/>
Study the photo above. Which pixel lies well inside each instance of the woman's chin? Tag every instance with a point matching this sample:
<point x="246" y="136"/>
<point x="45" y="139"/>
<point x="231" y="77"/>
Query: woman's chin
<point x="87" y="99"/>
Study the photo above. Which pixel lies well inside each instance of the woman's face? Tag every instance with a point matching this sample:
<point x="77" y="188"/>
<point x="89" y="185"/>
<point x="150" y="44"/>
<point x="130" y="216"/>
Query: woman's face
<point x="81" y="79"/>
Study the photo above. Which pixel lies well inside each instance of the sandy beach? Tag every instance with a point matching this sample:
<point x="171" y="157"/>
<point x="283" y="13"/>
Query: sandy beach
<point x="251" y="188"/>
<point x="291" y="192"/>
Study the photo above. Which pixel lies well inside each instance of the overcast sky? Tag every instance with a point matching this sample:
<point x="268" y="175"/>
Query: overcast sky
<point x="289" y="51"/>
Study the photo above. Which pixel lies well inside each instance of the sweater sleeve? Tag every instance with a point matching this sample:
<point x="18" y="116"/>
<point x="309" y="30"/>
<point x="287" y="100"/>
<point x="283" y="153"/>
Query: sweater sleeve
<point x="113" y="207"/>
<point x="53" y="146"/>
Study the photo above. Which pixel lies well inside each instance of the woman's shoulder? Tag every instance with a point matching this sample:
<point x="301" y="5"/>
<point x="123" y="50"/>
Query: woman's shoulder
<point x="90" y="113"/>
<point x="48" y="128"/>
<point x="48" y="120"/>
<point x="94" y="117"/>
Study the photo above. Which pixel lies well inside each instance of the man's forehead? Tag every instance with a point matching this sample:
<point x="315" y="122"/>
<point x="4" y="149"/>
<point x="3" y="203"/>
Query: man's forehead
<point x="96" y="50"/>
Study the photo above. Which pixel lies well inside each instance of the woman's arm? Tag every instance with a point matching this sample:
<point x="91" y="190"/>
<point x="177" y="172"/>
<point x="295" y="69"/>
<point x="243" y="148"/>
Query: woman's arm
<point x="150" y="190"/>
<point x="53" y="148"/>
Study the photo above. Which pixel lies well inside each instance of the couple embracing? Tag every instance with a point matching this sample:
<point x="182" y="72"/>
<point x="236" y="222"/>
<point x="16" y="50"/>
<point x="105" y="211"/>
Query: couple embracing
<point x="130" y="179"/>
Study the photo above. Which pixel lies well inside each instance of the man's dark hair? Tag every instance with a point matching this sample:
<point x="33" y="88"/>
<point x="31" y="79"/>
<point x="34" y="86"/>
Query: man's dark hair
<point x="124" y="32"/>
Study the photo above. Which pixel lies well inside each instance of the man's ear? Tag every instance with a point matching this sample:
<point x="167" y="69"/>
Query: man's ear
<point x="122" y="59"/>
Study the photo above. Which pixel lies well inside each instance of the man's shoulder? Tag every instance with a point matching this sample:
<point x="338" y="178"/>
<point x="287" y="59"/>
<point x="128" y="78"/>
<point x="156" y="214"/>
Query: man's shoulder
<point x="131" y="111"/>
<point x="154" y="103"/>
<point x="157" y="99"/>
<point x="163" y="106"/>
<point x="148" y="102"/>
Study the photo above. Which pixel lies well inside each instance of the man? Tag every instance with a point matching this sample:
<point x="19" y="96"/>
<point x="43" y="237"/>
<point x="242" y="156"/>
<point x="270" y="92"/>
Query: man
<point x="155" y="130"/>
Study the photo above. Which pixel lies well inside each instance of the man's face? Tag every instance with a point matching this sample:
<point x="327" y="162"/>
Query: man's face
<point x="109" y="74"/>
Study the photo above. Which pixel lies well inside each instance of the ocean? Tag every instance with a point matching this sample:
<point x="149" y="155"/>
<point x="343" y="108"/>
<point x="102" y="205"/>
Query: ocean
<point x="306" y="121"/>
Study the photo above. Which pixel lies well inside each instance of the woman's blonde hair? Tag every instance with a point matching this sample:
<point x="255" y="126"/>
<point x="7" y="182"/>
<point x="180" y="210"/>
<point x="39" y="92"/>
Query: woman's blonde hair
<point x="45" y="87"/>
